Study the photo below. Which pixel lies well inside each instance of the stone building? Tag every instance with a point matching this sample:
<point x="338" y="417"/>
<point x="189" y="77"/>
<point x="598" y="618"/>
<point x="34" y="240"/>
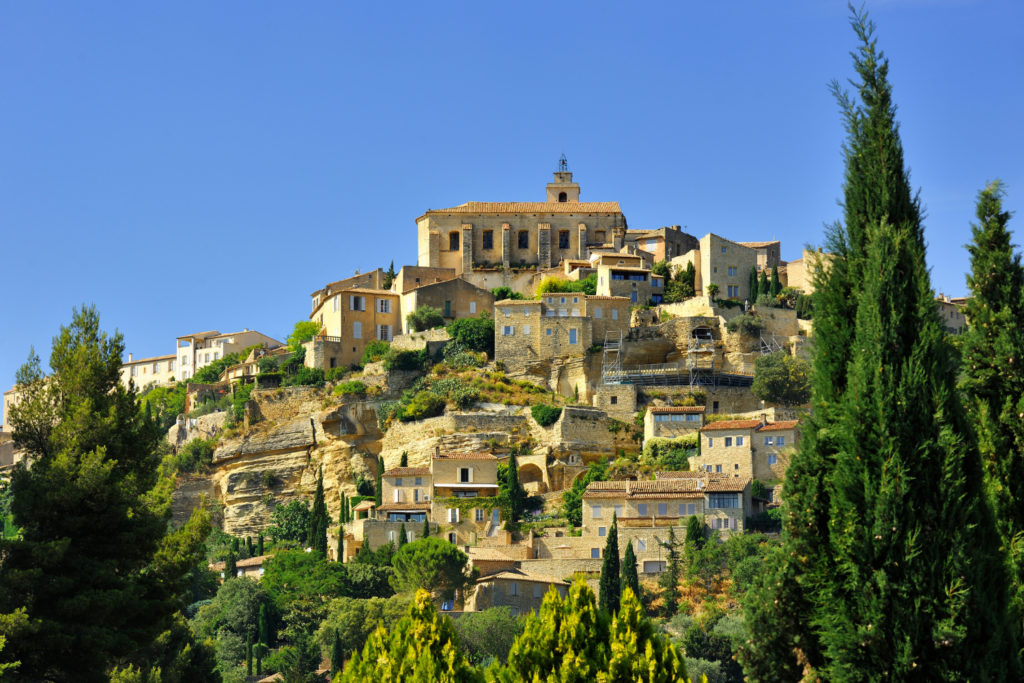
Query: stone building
<point x="951" y="313"/>
<point x="158" y="370"/>
<point x="801" y="272"/>
<point x="198" y="350"/>
<point x="519" y="590"/>
<point x="455" y="298"/>
<point x="249" y="568"/>
<point x="374" y="279"/>
<point x="744" y="449"/>
<point x="249" y="368"/>
<point x="670" y="422"/>
<point x="629" y="276"/>
<point x="722" y="262"/>
<point x="349" y="319"/>
<point x="768" y="253"/>
<point x="664" y="243"/>
<point x="505" y="234"/>
<point x="411" y="277"/>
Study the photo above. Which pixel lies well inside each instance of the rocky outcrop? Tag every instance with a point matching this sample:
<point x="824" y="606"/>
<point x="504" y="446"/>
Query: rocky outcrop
<point x="205" y="427"/>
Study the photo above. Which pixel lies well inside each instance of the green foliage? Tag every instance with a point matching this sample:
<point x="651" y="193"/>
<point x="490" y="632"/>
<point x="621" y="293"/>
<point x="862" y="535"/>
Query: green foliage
<point x="506" y="294"/>
<point x="405" y="360"/>
<point x="308" y="377"/>
<point x="763" y="285"/>
<point x="422" y="647"/>
<point x="379" y="488"/>
<point x="611" y="582"/>
<point x="267" y="365"/>
<point x="238" y="401"/>
<point x="753" y="284"/>
<point x="712" y="289"/>
<point x="303" y="331"/>
<point x="350" y="622"/>
<point x="94" y="516"/>
<point x="290" y="522"/>
<point x="557" y="285"/>
<point x="319" y="519"/>
<point x="488" y="635"/>
<point x="804" y="307"/>
<point x="748" y="324"/>
<point x="476" y="334"/>
<point x="630" y="575"/>
<point x="701" y="643"/>
<point x="682" y="285"/>
<point x="165" y="403"/>
<point x="434" y="565"/>
<point x="376" y="351"/>
<point x="781" y="378"/>
<point x="301" y="585"/>
<point x="705" y="561"/>
<point x="230" y="617"/>
<point x="371" y="580"/>
<point x="775" y="287"/>
<point x="389" y="276"/>
<point x="195" y="456"/>
<point x="572" y="500"/>
<point x="886" y="522"/>
<point x="424" y="405"/>
<point x="545" y="415"/>
<point x="511" y="491"/>
<point x="425" y="318"/>
<point x="457" y="356"/>
<point x="669" y="579"/>
<point x="210" y="374"/>
<point x="351" y="387"/>
<point x="456" y="392"/>
<point x="766" y="301"/>
<point x="758" y="490"/>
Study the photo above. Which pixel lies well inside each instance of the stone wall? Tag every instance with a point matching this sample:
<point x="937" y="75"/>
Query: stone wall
<point x="187" y="429"/>
<point x="324" y="354"/>
<point x="617" y="400"/>
<point x="435" y="340"/>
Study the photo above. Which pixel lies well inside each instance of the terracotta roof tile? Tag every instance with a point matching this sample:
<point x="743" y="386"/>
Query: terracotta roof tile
<point x="249" y="562"/>
<point x="369" y="291"/>
<point x="607" y="298"/>
<point x="521" y="575"/>
<point x="531" y="207"/>
<point x="775" y="426"/>
<point x="731" y="424"/>
<point x="365" y="505"/>
<point x="405" y="506"/>
<point x="515" y="302"/>
<point x="758" y="245"/>
<point x="147" y="360"/>
<point x="465" y="456"/>
<point x="677" y="409"/>
<point x="406" y="471"/>
<point x="726" y="485"/>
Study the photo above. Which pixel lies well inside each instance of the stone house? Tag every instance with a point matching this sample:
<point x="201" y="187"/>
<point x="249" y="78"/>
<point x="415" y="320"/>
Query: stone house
<point x="638" y="284"/>
<point x="504" y="234"/>
<point x="801" y="272"/>
<point x="455" y="298"/>
<point x="371" y="280"/>
<point x="743" y="449"/>
<point x="159" y="370"/>
<point x="519" y="590"/>
<point x="951" y="314"/>
<point x="722" y="262"/>
<point x="349" y="319"/>
<point x="768" y="254"/>
<point x="249" y="368"/>
<point x="250" y="568"/>
<point x="196" y="351"/>
<point x="664" y="243"/>
<point x="530" y="330"/>
<point x="411" y="277"/>
<point x="669" y="422"/>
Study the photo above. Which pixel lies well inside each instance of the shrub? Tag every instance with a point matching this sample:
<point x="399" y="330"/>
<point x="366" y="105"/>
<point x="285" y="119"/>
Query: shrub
<point x="405" y="360"/>
<point x="196" y="455"/>
<point x="456" y="356"/>
<point x="309" y="377"/>
<point x="267" y="364"/>
<point x="747" y="324"/>
<point x="506" y="293"/>
<point x="335" y="374"/>
<point x="545" y="415"/>
<point x="476" y="334"/>
<point x="424" y="405"/>
<point x="804" y="307"/>
<point x="767" y="301"/>
<point x="351" y="387"/>
<point x="425" y="318"/>
<point x="552" y="284"/>
<point x="375" y="351"/>
<point x="241" y="396"/>
<point x="456" y="392"/>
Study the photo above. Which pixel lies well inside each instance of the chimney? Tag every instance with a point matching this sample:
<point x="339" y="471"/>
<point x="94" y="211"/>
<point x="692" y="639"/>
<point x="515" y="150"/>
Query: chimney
<point x="437" y="451"/>
<point x="677" y="228"/>
<point x="129" y="358"/>
<point x="764" y="419"/>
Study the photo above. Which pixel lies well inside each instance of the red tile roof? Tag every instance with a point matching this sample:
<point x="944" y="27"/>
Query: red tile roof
<point x="250" y="562"/>
<point x="775" y="426"/>
<point x="530" y="207"/>
<point x="406" y="471"/>
<point x="758" y="245"/>
<point x="731" y="424"/>
<point x="677" y="409"/>
<point x="404" y="506"/>
<point x="604" y="298"/>
<point x="521" y="575"/>
<point x="465" y="456"/>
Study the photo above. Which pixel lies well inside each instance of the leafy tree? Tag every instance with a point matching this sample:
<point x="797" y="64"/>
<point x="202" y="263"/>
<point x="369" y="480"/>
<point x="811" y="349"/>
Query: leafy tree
<point x="747" y="324"/>
<point x="370" y="580"/>
<point x="303" y="331"/>
<point x="572" y="500"/>
<point x="476" y="334"/>
<point x="506" y="294"/>
<point x="700" y="642"/>
<point x="290" y="522"/>
<point x="94" y="568"/>
<point x="712" y="290"/>
<point x="423" y="646"/>
<point x="630" y="577"/>
<point x="210" y="374"/>
<point x="488" y="635"/>
<point x="754" y="289"/>
<point x="992" y="349"/>
<point x="425" y="404"/>
<point x="248" y="654"/>
<point x="669" y="579"/>
<point x="299" y="661"/>
<point x="637" y="653"/>
<point x="319" y="519"/>
<point x="351" y="621"/>
<point x="301" y="585"/>
<point x="886" y="522"/>
<point x="781" y="378"/>
<point x="231" y="615"/>
<point x="434" y="565"/>
<point x="611" y="582"/>
<point x="775" y="287"/>
<point x="425" y="318"/>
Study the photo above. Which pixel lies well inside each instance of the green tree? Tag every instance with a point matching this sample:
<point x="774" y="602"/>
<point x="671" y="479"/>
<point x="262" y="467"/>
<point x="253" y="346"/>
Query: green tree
<point x="379" y="490"/>
<point x="488" y="634"/>
<point x="572" y="500"/>
<point x="781" y="378"/>
<point x="992" y="349"/>
<point x="425" y="318"/>
<point x="319" y="518"/>
<point x="389" y="276"/>
<point x="611" y="582"/>
<point x="752" y="285"/>
<point x="669" y="579"/>
<point x="637" y="653"/>
<point x="402" y="538"/>
<point x="513" y="491"/>
<point x="476" y="334"/>
<point x="230" y="567"/>
<point x="422" y="647"/>
<point x="886" y="523"/>
<point x="337" y="656"/>
<point x="303" y="331"/>
<point x="248" y="654"/>
<point x="434" y="565"/>
<point x="630" y="577"/>
<point x="506" y="294"/>
<point x="763" y="286"/>
<point x="712" y="289"/>
<point x="695" y="531"/>
<point x="371" y="580"/>
<point x="405" y="459"/>
<point x="426" y="528"/>
<point x="775" y="287"/>
<point x="290" y="522"/>
<point x="94" y="567"/>
<point x="352" y="621"/>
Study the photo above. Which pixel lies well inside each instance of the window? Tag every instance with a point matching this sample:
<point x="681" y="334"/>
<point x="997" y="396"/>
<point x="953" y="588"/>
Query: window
<point x="633" y="296"/>
<point x="716" y="269"/>
<point x="453" y="538"/>
<point x="641" y="544"/>
<point x="563" y="312"/>
<point x="572" y="336"/>
<point x="526" y="329"/>
<point x="216" y="355"/>
<point x="392" y="535"/>
<point x="615" y="314"/>
<point x="615" y="400"/>
<point x="507" y="330"/>
<point x="415" y="495"/>
<point x="419" y="481"/>
<point x="547" y="332"/>
<point x="562" y="300"/>
<point x="336" y="303"/>
<point x="739" y="440"/>
<point x="447" y="308"/>
<point x="711" y="442"/>
<point x="728" y="441"/>
<point x="722" y="500"/>
<point x="682" y="509"/>
<point x="718" y="468"/>
<point x="563" y="197"/>
<point x="184" y="360"/>
<point x="732" y="271"/>
<point x="595" y="511"/>
<point x="691" y="509"/>
<point x="662" y="509"/>
<point x="595" y="553"/>
<point x="156" y="368"/>
<point x="575" y="313"/>
<point x="357" y="330"/>
<point x="618" y="510"/>
<point x="538" y="591"/>
<point x="170" y="366"/>
<point x="357" y="303"/>
<point x="524" y="239"/>
<point x="478" y="515"/>
<point x="767" y="441"/>
<point x="453" y="241"/>
<point x="472" y="307"/>
<point x="773" y="459"/>
<point x="597" y="313"/>
<point x="466" y="475"/>
<point x="563" y="238"/>
<point x="526" y="312"/>
<point x="508" y="312"/>
<point x="207" y="358"/>
<point x="641" y="509"/>
<point x="602" y="531"/>
<point x="384" y="332"/>
<point x="383" y="305"/>
<point x="780" y="441"/>
<point x="410" y="536"/>
<point x="723" y="250"/>
<point x="398" y="481"/>
<point x="714" y="406"/>
<point x="135" y="371"/>
<point x="692" y="417"/>
<point x="575" y="299"/>
<point x="488" y="239"/>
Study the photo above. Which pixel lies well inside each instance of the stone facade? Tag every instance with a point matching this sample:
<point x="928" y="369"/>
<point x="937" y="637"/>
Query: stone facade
<point x="412" y="277"/>
<point x="353" y="318"/>
<point x="530" y="330"/>
<point x="746" y="448"/>
<point x="455" y="298"/>
<point x="520" y="590"/>
<point x="664" y="243"/>
<point x="609" y="316"/>
<point x="618" y="400"/>
<point x="635" y="284"/>
<point x="727" y="264"/>
<point x="671" y="422"/>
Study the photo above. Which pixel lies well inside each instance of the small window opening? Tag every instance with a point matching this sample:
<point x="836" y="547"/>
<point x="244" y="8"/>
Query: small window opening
<point x="524" y="239"/>
<point x="563" y="197"/>
<point x="453" y="241"/>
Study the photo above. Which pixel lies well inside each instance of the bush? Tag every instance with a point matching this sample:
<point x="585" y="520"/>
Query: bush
<point x="747" y="324"/>
<point x="552" y="284"/>
<point x="351" y="387"/>
<point x="456" y="392"/>
<point x="405" y="360"/>
<point x="424" y="405"/>
<point x="239" y="400"/>
<point x="767" y="301"/>
<point x="545" y="415"/>
<point x="334" y="374"/>
<point x="506" y="293"/>
<point x="375" y="351"/>
<point x="309" y="377"/>
<point x="456" y="356"/>
<point x="196" y="455"/>
<point x="476" y="334"/>
<point x="425" y="318"/>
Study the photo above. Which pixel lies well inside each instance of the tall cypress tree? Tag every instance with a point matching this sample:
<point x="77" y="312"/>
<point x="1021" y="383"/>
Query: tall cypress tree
<point x="379" y="494"/>
<point x="992" y="379"/>
<point x="752" y="287"/>
<point x="426" y="528"/>
<point x="611" y="583"/>
<point x="630" y="577"/>
<point x="230" y="569"/>
<point x="319" y="518"/>
<point x="405" y="459"/>
<point x="890" y="566"/>
<point x="775" y="287"/>
<point x="337" y="655"/>
<point x="669" y="579"/>
<point x="402" y="538"/>
<point x="514" y="491"/>
<point x="259" y="545"/>
<point x="341" y="509"/>
<point x="763" y="286"/>
<point x="248" y="654"/>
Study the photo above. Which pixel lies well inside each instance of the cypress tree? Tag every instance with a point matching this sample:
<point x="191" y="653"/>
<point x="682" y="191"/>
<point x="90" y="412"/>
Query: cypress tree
<point x="341" y="546"/>
<point x="343" y="512"/>
<point x="752" y="287"/>
<point x="630" y="577"/>
<point x="319" y="519"/>
<point x="248" y="654"/>
<point x="515" y="493"/>
<point x="611" y="582"/>
<point x="337" y="655"/>
<point x="378" y="495"/>
<point x="230" y="570"/>
<point x="405" y="459"/>
<point x="991" y="378"/>
<point x="235" y="546"/>
<point x="695" y="532"/>
<point x="890" y="565"/>
<point x="763" y="286"/>
<point x="669" y="579"/>
<point x="259" y="545"/>
<point x="402" y="539"/>
<point x="426" y="528"/>
<point x="775" y="288"/>
<point x="264" y="627"/>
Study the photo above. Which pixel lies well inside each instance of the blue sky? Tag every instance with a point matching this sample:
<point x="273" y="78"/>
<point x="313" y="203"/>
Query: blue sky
<point x="191" y="166"/>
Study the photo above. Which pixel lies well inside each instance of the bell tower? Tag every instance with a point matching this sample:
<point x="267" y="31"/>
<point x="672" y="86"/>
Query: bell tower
<point x="563" y="189"/>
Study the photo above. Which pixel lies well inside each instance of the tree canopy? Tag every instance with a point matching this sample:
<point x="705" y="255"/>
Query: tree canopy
<point x="433" y="565"/>
<point x="782" y="379"/>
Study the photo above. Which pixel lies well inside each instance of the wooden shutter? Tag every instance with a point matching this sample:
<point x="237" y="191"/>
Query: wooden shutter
<point x="470" y="475"/>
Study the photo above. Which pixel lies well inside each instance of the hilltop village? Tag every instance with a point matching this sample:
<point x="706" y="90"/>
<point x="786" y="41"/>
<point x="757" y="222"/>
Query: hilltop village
<point x="545" y="336"/>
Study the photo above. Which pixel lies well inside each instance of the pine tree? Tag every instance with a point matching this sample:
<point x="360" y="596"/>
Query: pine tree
<point x="319" y="519"/>
<point x="611" y="582"/>
<point x="630" y="577"/>
<point x="890" y="566"/>
<point x="752" y="288"/>
<point x="379" y="493"/>
<point x="669" y="579"/>
<point x="992" y="381"/>
<point x="402" y="538"/>
<point x="337" y="656"/>
<point x="259" y="545"/>
<point x="248" y="654"/>
<point x="763" y="286"/>
<point x="405" y="459"/>
<point x="775" y="288"/>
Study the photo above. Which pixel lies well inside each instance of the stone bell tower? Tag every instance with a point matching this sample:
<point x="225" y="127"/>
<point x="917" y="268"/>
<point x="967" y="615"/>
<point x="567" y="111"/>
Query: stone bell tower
<point x="563" y="189"/>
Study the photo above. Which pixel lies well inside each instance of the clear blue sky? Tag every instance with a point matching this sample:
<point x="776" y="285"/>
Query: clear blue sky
<point x="189" y="166"/>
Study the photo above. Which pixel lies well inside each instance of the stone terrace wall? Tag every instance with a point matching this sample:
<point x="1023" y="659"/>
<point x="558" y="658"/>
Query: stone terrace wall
<point x="414" y="341"/>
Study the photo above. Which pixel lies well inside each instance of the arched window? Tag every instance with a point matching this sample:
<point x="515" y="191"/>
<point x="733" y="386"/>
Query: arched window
<point x="563" y="197"/>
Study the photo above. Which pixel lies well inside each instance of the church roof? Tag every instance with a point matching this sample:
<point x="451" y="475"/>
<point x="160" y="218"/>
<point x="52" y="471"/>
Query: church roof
<point x="529" y="207"/>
